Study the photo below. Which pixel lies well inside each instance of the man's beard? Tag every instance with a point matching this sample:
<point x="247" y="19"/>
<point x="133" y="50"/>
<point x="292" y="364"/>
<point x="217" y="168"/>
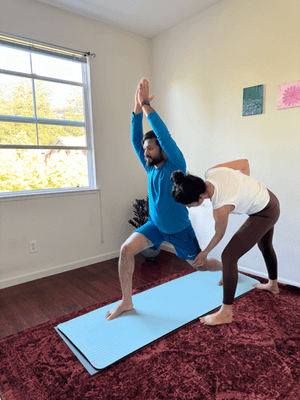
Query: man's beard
<point x="154" y="161"/>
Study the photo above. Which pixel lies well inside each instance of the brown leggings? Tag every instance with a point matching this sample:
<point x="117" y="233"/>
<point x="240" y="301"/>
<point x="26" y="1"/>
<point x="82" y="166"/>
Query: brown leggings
<point x="257" y="229"/>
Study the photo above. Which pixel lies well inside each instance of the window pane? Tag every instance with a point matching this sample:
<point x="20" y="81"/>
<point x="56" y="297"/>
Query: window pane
<point x="16" y="96"/>
<point x="50" y="135"/>
<point x="18" y="134"/>
<point x="22" y="170"/>
<point x="59" y="101"/>
<point x="54" y="67"/>
<point x="14" y="59"/>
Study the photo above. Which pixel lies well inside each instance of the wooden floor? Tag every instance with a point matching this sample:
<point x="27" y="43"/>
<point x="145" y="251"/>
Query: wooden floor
<point x="32" y="303"/>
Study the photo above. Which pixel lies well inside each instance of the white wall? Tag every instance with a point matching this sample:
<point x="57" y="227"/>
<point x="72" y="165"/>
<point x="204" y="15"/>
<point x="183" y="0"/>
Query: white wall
<point x="200" y="69"/>
<point x="67" y="228"/>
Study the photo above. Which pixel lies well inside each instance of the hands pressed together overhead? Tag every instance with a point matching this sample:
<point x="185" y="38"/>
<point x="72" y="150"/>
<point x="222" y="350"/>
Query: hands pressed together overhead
<point x="142" y="93"/>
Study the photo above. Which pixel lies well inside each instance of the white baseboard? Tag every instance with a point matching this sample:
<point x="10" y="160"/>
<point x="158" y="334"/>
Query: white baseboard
<point x="265" y="275"/>
<point x="57" y="270"/>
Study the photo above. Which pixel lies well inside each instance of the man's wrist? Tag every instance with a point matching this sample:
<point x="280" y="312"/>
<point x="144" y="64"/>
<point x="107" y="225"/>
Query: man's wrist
<point x="138" y="109"/>
<point x="145" y="103"/>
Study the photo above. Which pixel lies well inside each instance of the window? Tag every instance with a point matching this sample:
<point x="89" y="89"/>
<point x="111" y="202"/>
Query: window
<point x="46" y="139"/>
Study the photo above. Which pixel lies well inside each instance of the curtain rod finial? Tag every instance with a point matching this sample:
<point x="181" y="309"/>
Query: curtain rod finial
<point x="89" y="54"/>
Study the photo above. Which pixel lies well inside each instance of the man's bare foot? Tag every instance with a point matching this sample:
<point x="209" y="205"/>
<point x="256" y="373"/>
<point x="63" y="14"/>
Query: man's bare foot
<point x="223" y="316"/>
<point x="115" y="312"/>
<point x="271" y="286"/>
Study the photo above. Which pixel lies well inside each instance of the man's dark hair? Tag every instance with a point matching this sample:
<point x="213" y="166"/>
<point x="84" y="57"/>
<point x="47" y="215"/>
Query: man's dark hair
<point x="150" y="135"/>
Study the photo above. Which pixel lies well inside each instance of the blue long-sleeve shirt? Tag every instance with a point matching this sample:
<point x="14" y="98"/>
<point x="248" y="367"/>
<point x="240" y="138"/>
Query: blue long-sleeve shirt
<point x="168" y="216"/>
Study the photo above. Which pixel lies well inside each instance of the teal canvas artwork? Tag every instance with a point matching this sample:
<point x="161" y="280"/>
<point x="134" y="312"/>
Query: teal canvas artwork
<point x="253" y="100"/>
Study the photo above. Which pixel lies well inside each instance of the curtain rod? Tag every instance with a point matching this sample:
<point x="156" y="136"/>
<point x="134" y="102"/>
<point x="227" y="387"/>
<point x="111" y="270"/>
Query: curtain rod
<point x="33" y="42"/>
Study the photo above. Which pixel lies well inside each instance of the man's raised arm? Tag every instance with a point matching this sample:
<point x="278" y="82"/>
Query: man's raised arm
<point x="137" y="129"/>
<point x="166" y="142"/>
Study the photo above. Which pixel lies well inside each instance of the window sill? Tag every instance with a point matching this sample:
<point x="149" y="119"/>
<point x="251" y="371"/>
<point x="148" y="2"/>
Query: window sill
<point x="41" y="194"/>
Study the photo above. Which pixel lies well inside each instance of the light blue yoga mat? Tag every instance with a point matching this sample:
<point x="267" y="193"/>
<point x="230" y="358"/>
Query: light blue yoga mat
<point x="98" y="343"/>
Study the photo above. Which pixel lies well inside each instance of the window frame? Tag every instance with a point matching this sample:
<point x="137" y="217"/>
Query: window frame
<point x="32" y="46"/>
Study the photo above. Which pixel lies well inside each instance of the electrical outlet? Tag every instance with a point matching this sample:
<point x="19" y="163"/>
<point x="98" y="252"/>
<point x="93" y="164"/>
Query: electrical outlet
<point x="33" y="246"/>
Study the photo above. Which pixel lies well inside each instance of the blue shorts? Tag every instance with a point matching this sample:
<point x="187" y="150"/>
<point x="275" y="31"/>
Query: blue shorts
<point x="184" y="242"/>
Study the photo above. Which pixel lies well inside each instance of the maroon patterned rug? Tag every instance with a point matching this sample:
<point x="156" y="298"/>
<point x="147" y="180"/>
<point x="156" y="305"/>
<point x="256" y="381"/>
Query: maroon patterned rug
<point x="256" y="357"/>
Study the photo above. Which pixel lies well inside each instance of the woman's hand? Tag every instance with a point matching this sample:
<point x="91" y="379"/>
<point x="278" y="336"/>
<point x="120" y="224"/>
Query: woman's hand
<point x="200" y="260"/>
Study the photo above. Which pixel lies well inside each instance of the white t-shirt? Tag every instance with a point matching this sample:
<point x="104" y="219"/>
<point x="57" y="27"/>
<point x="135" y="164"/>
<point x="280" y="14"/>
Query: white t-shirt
<point x="233" y="187"/>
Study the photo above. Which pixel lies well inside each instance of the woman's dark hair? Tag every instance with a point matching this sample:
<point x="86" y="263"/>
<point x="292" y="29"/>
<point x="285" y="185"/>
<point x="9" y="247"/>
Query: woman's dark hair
<point x="150" y="135"/>
<point x="187" y="188"/>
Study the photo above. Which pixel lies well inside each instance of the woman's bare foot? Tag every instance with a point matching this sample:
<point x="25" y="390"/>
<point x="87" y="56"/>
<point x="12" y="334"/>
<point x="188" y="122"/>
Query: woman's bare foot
<point x="223" y="316"/>
<point x="271" y="286"/>
<point x="115" y="312"/>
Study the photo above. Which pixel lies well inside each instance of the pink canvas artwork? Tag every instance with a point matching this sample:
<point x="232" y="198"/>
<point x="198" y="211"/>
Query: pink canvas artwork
<point x="288" y="95"/>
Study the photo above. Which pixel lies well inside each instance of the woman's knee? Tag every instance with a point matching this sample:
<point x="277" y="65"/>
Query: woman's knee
<point x="229" y="256"/>
<point x="265" y="248"/>
<point x="261" y="246"/>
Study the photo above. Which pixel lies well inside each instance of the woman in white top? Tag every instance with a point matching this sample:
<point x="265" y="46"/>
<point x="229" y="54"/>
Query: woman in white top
<point x="231" y="190"/>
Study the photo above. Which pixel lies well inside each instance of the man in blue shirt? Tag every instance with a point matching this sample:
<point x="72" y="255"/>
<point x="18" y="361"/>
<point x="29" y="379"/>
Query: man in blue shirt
<point x="168" y="221"/>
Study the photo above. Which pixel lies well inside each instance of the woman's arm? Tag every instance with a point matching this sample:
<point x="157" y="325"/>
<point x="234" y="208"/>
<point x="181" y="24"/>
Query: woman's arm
<point x="240" y="165"/>
<point x="221" y="216"/>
